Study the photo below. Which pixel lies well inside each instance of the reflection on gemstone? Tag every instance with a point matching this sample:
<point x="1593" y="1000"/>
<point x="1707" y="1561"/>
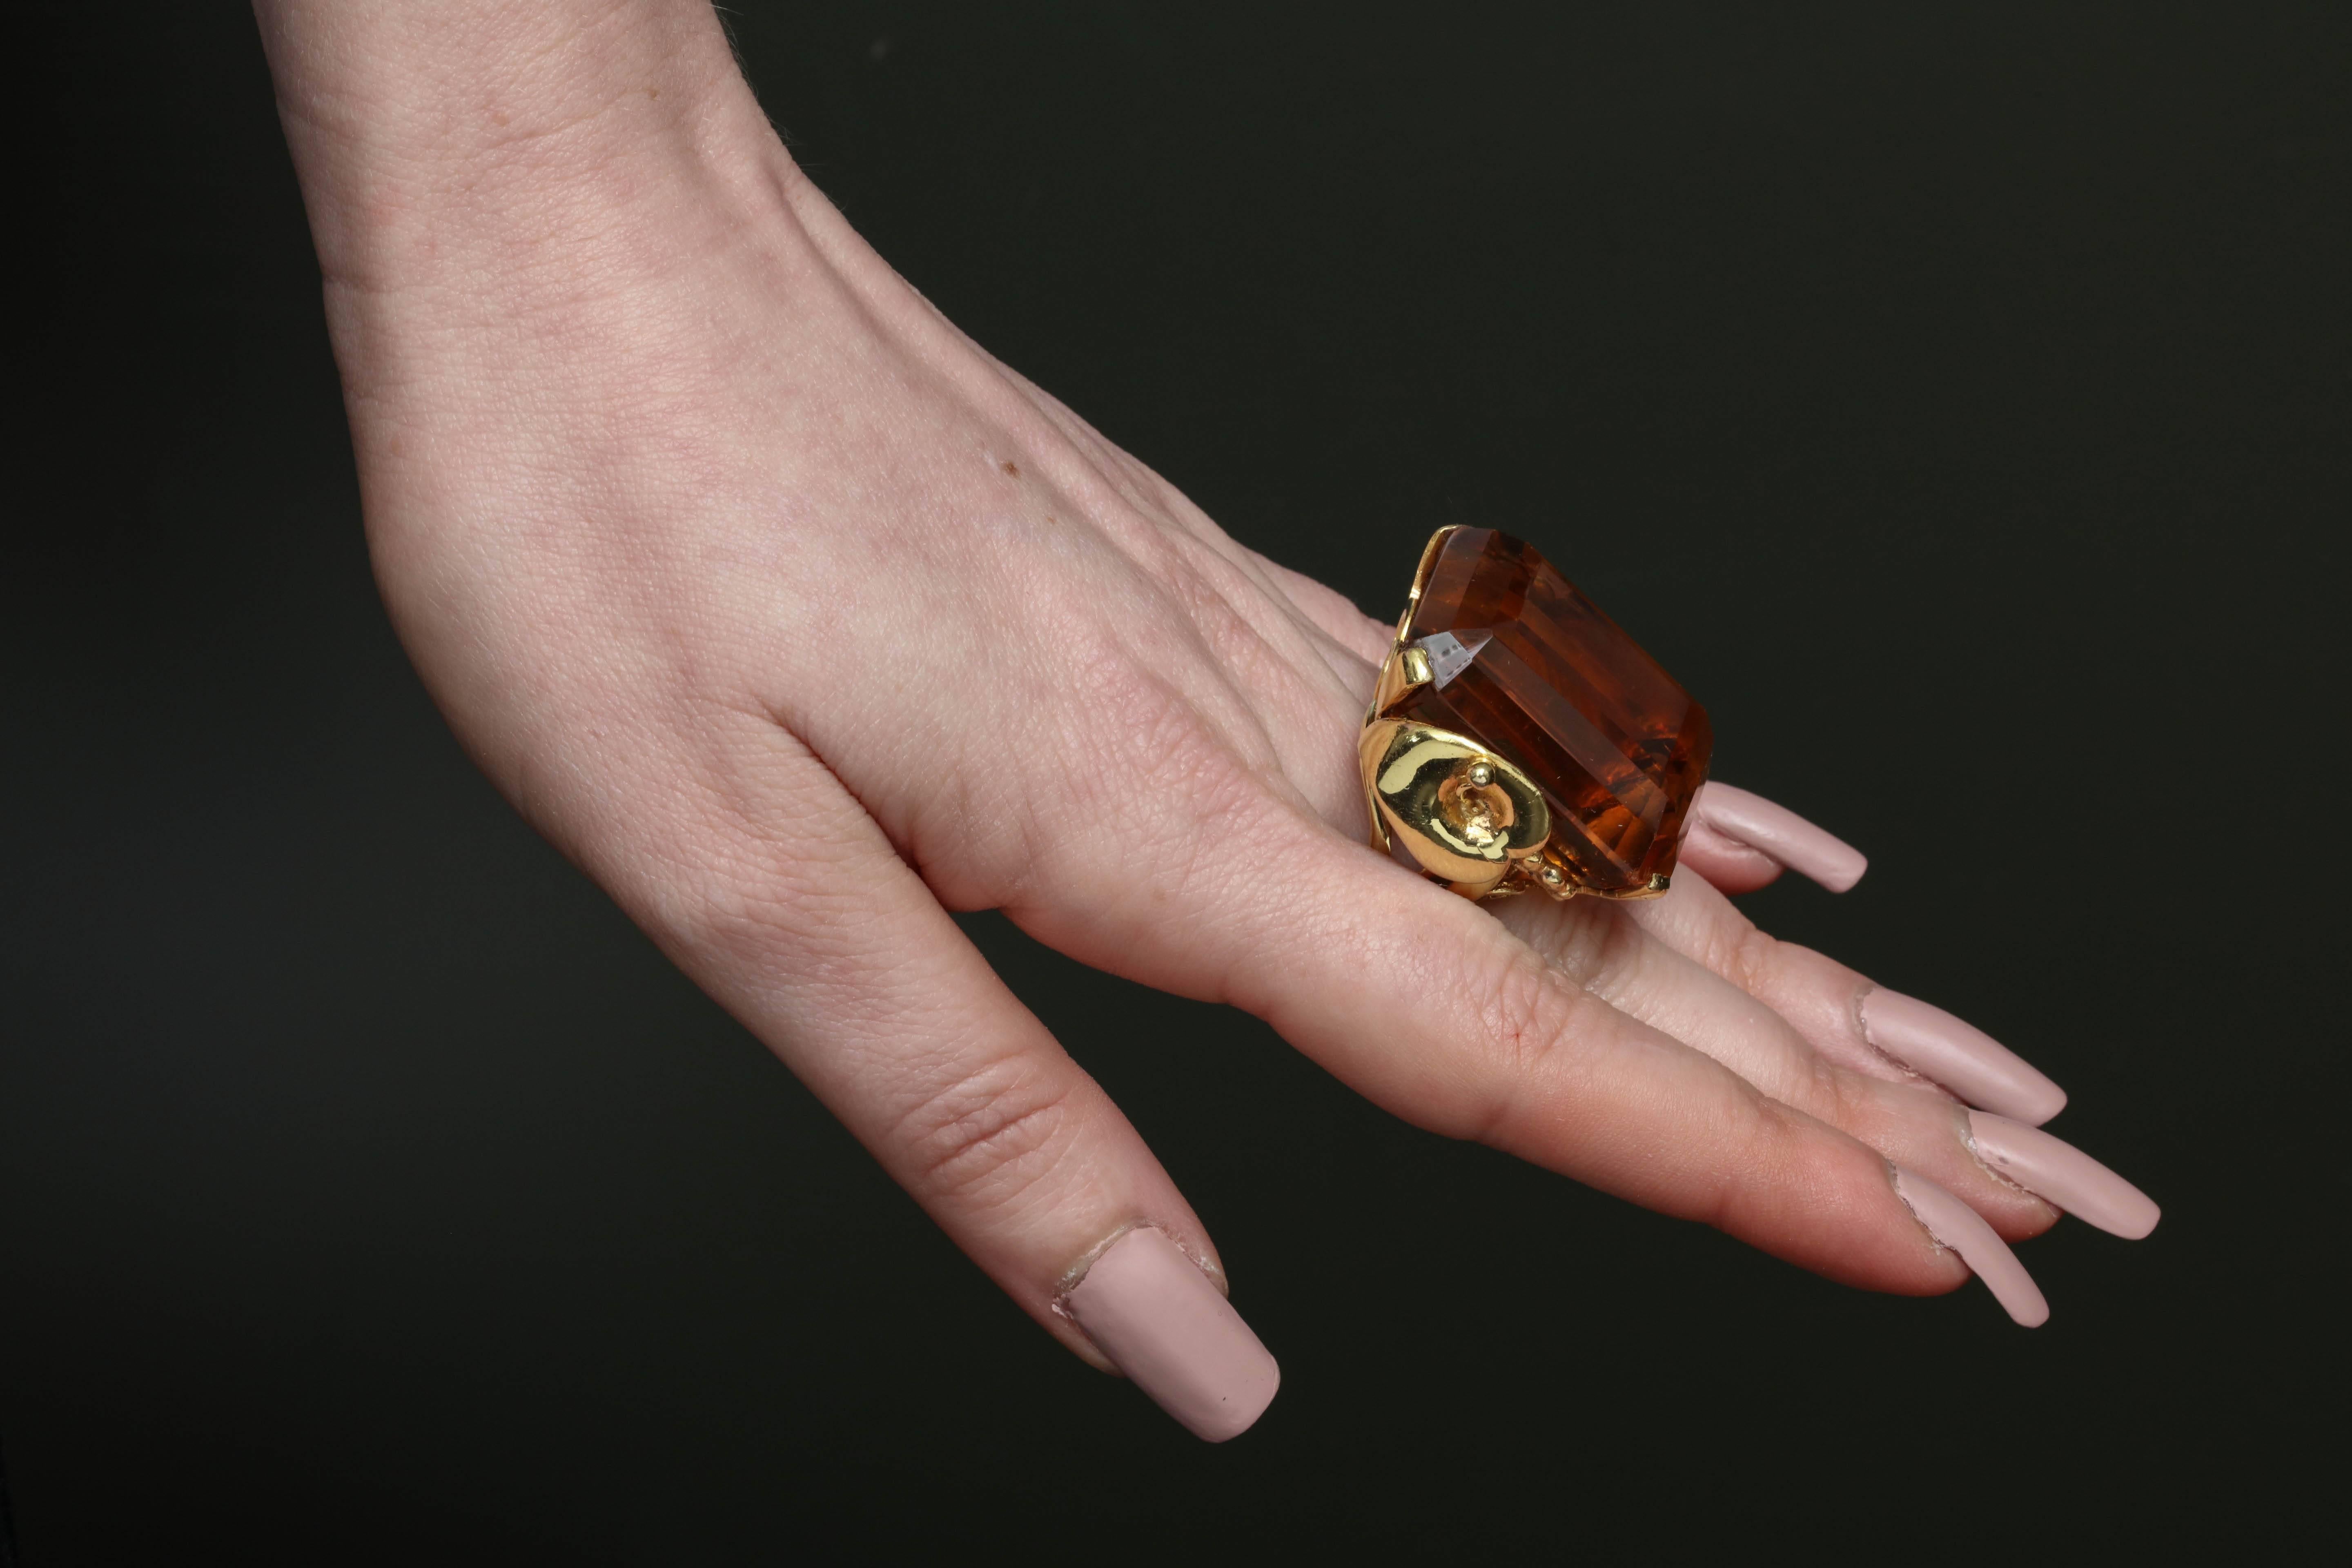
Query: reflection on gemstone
<point x="1449" y="656"/>
<point x="1522" y="661"/>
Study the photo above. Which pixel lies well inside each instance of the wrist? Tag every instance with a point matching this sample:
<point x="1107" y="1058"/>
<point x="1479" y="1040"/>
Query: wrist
<point x="441" y="139"/>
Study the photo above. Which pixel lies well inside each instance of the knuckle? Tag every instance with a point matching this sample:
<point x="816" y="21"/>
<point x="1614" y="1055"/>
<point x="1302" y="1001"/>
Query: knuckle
<point x="991" y="1133"/>
<point x="1746" y="956"/>
<point x="810" y="911"/>
<point x="1205" y="795"/>
<point x="1748" y="1194"/>
<point x="767" y="868"/>
<point x="1868" y="1109"/>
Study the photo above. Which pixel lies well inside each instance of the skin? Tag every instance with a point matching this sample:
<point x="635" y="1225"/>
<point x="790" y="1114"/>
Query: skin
<point x="798" y="622"/>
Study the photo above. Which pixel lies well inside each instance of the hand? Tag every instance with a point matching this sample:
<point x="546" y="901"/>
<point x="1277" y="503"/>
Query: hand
<point x="798" y="622"/>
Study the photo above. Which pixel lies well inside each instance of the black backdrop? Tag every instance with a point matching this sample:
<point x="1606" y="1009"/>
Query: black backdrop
<point x="1955" y="396"/>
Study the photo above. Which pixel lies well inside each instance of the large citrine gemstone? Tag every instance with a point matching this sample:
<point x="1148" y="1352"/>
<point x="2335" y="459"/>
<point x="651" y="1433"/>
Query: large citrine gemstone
<point x="1523" y="663"/>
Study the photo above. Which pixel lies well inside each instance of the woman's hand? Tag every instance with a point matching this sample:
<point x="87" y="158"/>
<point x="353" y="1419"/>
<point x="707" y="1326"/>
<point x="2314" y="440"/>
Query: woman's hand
<point x="798" y="622"/>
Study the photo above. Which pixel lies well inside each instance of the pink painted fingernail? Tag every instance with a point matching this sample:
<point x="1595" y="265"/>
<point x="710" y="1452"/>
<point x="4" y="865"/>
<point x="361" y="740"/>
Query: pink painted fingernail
<point x="1954" y="1225"/>
<point x="2054" y="1169"/>
<point x="1151" y="1310"/>
<point x="1726" y="862"/>
<point x="1774" y="830"/>
<point x="1963" y="1059"/>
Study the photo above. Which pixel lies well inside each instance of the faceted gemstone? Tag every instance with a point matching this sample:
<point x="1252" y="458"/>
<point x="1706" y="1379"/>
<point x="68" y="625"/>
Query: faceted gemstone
<point x="1531" y="667"/>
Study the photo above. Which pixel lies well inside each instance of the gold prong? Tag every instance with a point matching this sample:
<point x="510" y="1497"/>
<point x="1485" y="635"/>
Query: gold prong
<point x="1394" y="684"/>
<point x="1403" y="672"/>
<point x="1421" y="579"/>
<point x="1429" y="561"/>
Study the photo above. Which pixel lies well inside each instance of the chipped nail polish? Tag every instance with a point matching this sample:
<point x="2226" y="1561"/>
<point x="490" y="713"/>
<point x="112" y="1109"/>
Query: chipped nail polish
<point x="1956" y="1226"/>
<point x="2054" y="1169"/>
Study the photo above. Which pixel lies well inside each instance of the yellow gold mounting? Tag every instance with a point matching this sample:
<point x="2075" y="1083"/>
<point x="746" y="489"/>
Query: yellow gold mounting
<point x="1466" y="817"/>
<point x="1446" y="803"/>
<point x="1421" y="579"/>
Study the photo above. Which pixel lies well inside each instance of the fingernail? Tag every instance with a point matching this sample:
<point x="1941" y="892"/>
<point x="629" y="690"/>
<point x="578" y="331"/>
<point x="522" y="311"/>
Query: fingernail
<point x="1727" y="860"/>
<point x="1777" y="831"/>
<point x="2054" y="1169"/>
<point x="1151" y="1310"/>
<point x="1956" y="1226"/>
<point x="1962" y="1058"/>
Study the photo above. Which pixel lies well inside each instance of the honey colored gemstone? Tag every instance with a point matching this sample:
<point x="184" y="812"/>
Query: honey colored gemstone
<point x="1531" y="667"/>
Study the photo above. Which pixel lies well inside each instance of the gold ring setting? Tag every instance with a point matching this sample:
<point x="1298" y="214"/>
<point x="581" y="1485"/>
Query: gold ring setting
<point x="1519" y="740"/>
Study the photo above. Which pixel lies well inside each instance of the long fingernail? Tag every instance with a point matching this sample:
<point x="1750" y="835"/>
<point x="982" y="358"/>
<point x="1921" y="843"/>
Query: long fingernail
<point x="1777" y="831"/>
<point x="1151" y="1310"/>
<point x="1959" y="1228"/>
<point x="2053" y="1168"/>
<point x="1962" y="1058"/>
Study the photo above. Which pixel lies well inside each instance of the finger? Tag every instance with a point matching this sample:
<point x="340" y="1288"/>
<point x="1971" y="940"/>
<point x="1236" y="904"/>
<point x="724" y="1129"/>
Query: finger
<point x="1731" y="866"/>
<point x="1857" y="1024"/>
<point x="1955" y="1224"/>
<point x="1740" y="841"/>
<point x="1434" y="1011"/>
<point x="2002" y="1169"/>
<point x="815" y="934"/>
<point x="2057" y="1170"/>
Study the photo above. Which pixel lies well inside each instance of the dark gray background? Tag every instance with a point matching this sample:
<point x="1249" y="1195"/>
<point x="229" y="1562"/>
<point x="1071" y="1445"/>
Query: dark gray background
<point x="1955" y="396"/>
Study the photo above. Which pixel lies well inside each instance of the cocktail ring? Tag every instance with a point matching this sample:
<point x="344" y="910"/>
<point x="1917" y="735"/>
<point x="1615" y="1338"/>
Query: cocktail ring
<point x="1520" y="738"/>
